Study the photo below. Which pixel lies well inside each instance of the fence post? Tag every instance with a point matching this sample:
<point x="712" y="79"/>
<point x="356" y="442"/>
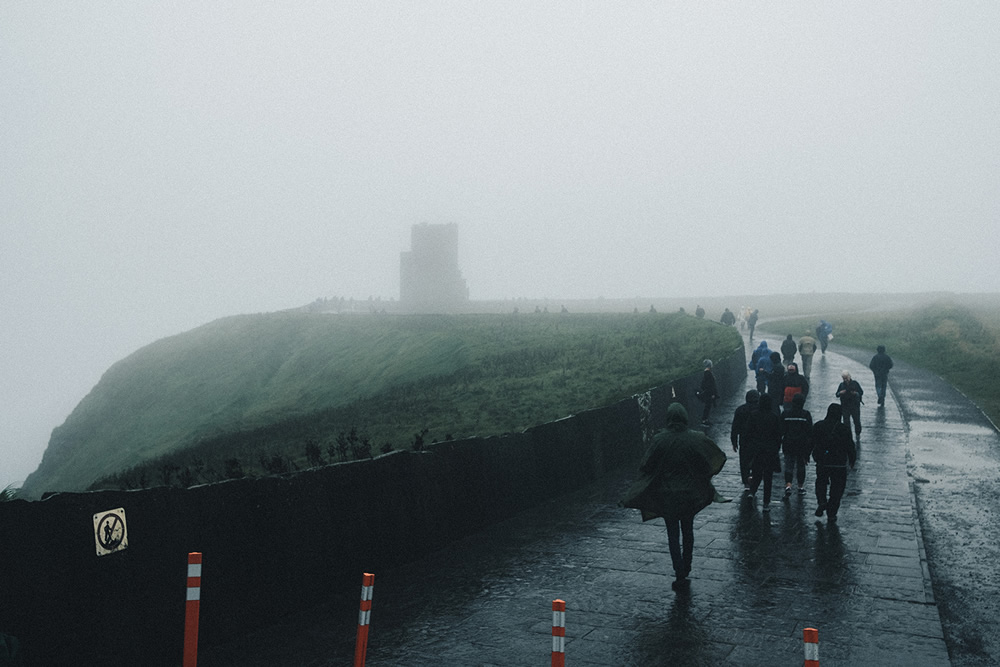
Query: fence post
<point x="810" y="638"/>
<point x="192" y="609"/>
<point x="558" y="633"/>
<point x="364" y="616"/>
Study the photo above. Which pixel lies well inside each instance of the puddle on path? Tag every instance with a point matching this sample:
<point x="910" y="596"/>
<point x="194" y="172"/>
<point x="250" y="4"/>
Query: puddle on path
<point x="948" y="428"/>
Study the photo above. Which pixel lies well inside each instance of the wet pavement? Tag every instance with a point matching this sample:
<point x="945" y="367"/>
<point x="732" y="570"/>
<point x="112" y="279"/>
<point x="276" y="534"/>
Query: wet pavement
<point x="758" y="577"/>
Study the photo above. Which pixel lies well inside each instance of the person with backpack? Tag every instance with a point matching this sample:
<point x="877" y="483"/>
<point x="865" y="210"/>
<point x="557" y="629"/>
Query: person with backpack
<point x="833" y="450"/>
<point x="807" y="348"/>
<point x="793" y="385"/>
<point x="738" y="435"/>
<point x="880" y="366"/>
<point x="788" y="350"/>
<point x="764" y="437"/>
<point x="796" y="442"/>
<point x="762" y="353"/>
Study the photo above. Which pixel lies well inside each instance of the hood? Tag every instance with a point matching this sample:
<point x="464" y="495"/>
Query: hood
<point x="677" y="417"/>
<point x="763" y="345"/>
<point x="834" y="412"/>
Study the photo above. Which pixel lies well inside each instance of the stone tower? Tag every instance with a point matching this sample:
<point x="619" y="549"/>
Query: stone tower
<point x="429" y="277"/>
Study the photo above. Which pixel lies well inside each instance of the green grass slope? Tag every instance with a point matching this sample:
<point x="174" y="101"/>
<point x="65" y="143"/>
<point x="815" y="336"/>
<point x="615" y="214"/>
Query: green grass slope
<point x="242" y="391"/>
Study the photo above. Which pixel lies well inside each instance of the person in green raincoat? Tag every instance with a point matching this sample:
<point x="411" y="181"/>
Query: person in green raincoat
<point x="676" y="483"/>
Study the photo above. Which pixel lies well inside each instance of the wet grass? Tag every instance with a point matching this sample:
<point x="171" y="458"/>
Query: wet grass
<point x="959" y="342"/>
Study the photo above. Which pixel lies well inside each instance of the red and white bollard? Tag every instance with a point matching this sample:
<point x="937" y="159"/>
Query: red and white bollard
<point x="810" y="638"/>
<point x="558" y="633"/>
<point x="364" y="617"/>
<point x="191" y="609"/>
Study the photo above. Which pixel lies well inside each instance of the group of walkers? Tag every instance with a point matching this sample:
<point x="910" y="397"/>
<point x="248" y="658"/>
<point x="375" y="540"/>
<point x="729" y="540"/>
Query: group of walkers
<point x="773" y="423"/>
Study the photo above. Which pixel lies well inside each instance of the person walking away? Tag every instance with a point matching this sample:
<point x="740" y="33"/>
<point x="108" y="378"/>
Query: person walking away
<point x="708" y="392"/>
<point x="776" y="383"/>
<point x="752" y="321"/>
<point x="676" y="484"/>
<point x="699" y="312"/>
<point x="764" y="436"/>
<point x="807" y="348"/>
<point x="880" y="366"/>
<point x="833" y="451"/>
<point x="850" y="392"/>
<point x="788" y="349"/>
<point x="796" y="442"/>
<point x="728" y="318"/>
<point x="824" y="332"/>
<point x="738" y="435"/>
<point x="794" y="385"/>
<point x="761" y="353"/>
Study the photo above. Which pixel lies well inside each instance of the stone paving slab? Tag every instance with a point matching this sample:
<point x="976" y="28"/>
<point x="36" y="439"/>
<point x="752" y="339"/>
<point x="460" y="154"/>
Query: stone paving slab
<point x="758" y="577"/>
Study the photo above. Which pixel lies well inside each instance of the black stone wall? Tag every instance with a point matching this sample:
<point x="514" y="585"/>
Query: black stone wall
<point x="281" y="543"/>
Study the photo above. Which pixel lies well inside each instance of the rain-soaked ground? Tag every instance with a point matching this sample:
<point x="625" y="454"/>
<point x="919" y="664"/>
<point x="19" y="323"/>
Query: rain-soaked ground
<point x="759" y="577"/>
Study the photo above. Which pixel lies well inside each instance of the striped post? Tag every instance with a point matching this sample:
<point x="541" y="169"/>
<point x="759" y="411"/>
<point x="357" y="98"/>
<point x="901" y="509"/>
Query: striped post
<point x="191" y="609"/>
<point x="558" y="633"/>
<point x="364" y="616"/>
<point x="810" y="638"/>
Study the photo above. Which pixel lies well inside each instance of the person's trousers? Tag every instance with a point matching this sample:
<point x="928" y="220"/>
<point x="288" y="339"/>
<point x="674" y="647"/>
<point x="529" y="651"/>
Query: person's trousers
<point x="880" y="384"/>
<point x="709" y="402"/>
<point x="681" y="552"/>
<point x="795" y="464"/>
<point x="807" y="364"/>
<point x="746" y="458"/>
<point x="836" y="479"/>
<point x="853" y="412"/>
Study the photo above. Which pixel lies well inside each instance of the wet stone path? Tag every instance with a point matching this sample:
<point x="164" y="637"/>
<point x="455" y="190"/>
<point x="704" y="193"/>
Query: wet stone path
<point x="758" y="577"/>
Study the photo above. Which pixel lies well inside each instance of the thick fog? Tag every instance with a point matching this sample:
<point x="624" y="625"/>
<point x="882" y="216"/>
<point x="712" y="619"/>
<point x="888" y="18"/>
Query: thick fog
<point x="166" y="164"/>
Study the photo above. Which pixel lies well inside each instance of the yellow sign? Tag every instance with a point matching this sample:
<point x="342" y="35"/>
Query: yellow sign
<point x="110" y="531"/>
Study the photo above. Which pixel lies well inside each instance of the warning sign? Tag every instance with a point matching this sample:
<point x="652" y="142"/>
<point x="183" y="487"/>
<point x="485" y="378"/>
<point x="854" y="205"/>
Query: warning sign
<point x="110" y="531"/>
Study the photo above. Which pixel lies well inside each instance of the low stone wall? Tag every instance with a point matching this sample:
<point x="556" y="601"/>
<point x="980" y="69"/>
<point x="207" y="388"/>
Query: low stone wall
<point x="280" y="543"/>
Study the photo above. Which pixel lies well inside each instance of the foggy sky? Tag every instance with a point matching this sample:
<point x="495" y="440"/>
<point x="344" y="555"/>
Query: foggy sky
<point x="166" y="164"/>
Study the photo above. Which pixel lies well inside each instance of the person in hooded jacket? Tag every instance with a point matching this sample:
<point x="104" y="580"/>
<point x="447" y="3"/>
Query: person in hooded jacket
<point x="764" y="438"/>
<point x="675" y="484"/>
<point x="796" y="442"/>
<point x="833" y="450"/>
<point x="738" y="435"/>
<point x="807" y="348"/>
<point x="880" y="366"/>
<point x="788" y="349"/>
<point x="761" y="353"/>
<point x="708" y="392"/>
<point x="776" y="383"/>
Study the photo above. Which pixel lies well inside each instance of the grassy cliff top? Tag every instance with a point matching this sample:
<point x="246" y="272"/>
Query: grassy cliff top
<point x="271" y="381"/>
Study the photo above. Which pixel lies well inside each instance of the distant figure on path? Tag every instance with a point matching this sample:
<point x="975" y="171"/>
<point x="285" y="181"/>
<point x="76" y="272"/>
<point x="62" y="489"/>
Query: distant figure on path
<point x="850" y="392"/>
<point x="788" y="349"/>
<point x="796" y="442"/>
<point x="764" y="435"/>
<point x="761" y="353"/>
<point x="824" y="332"/>
<point x="807" y="348"/>
<point x="676" y="483"/>
<point x="752" y="321"/>
<point x="728" y="318"/>
<point x="738" y="435"/>
<point x="699" y="312"/>
<point x="880" y="364"/>
<point x="833" y="450"/>
<point x="708" y="392"/>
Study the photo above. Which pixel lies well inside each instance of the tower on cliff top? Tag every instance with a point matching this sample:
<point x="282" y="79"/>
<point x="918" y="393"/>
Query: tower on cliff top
<point x="429" y="278"/>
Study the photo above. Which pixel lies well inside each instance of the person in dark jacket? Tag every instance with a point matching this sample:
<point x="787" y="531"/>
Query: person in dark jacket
<point x="850" y="392"/>
<point x="764" y="438"/>
<point x="794" y="385"/>
<point x="738" y="435"/>
<point x="752" y="321"/>
<point x="788" y="349"/>
<point x="833" y="450"/>
<point x="880" y="365"/>
<point x="728" y="318"/>
<point x="776" y="383"/>
<point x="796" y="442"/>
<point x="708" y="392"/>
<point x="676" y="483"/>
